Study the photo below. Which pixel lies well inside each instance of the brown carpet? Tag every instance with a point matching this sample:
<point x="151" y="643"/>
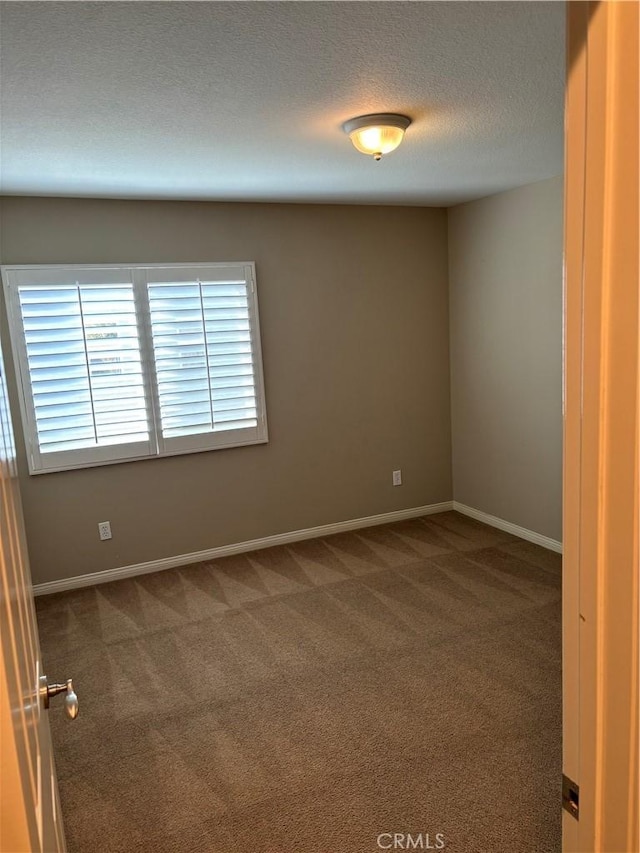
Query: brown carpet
<point x="306" y="699"/>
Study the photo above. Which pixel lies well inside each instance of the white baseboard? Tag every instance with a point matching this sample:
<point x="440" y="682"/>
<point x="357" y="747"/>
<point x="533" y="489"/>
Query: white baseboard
<point x="508" y="527"/>
<point x="236" y="548"/>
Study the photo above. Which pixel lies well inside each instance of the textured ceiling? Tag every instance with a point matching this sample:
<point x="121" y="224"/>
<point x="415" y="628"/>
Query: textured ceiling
<point x="244" y="100"/>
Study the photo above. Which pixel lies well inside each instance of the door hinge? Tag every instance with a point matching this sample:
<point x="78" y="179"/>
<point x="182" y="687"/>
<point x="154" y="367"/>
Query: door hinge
<point x="570" y="796"/>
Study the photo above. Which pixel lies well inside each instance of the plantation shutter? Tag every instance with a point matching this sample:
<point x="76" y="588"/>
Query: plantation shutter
<point x="118" y="363"/>
<point x="204" y="345"/>
<point x="81" y="350"/>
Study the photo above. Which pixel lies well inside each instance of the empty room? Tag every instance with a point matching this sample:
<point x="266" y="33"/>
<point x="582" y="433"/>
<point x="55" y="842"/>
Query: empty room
<point x="282" y="383"/>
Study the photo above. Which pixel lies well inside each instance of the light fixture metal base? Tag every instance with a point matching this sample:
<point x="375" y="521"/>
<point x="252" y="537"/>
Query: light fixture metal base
<point x="384" y="119"/>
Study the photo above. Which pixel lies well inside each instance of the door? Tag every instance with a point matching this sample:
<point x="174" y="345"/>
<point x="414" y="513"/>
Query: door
<point x="600" y="560"/>
<point x="30" y="818"/>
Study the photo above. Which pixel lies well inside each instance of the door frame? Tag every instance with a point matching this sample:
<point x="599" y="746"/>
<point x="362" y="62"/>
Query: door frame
<point x="601" y="394"/>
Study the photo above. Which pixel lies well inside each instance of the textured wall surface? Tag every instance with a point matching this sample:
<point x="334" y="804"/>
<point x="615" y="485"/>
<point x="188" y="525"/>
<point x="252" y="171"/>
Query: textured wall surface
<point x="505" y="279"/>
<point x="354" y="321"/>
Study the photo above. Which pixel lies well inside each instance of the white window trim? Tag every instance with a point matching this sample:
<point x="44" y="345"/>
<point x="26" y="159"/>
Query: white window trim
<point x="157" y="447"/>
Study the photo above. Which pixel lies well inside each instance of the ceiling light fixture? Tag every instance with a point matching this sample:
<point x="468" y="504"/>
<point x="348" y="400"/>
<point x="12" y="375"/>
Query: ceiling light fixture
<point x="378" y="133"/>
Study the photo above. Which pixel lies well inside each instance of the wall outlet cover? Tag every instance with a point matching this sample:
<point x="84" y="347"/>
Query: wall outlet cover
<point x="104" y="529"/>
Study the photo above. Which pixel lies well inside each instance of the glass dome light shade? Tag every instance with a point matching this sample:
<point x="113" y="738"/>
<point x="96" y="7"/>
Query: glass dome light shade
<point x="377" y="134"/>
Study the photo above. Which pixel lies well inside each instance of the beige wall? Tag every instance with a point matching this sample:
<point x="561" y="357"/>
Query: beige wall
<point x="354" y="321"/>
<point x="505" y="280"/>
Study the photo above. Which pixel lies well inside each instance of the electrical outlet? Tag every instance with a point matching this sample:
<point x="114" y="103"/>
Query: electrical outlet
<point x="104" y="529"/>
<point x="397" y="478"/>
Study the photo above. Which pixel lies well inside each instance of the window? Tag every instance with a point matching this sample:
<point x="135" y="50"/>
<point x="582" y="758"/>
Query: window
<point x="130" y="362"/>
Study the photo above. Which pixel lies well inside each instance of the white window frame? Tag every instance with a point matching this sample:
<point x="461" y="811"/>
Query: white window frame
<point x="139" y="275"/>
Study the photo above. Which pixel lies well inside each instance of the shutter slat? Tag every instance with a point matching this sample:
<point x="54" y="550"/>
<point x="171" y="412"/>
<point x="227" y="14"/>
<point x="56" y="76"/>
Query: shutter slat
<point x="57" y="359"/>
<point x="228" y="315"/>
<point x="221" y="398"/>
<point x="182" y="398"/>
<point x="177" y="290"/>
<point x="187" y="421"/>
<point x="42" y="374"/>
<point x="57" y="446"/>
<point x="47" y="336"/>
<point x="65" y="422"/>
<point x="47" y="398"/>
<point x="180" y="374"/>
<point x="116" y="429"/>
<point x="168" y="308"/>
<point x="198" y="400"/>
<point x="241" y="424"/>
<point x="177" y="362"/>
<point x="54" y="348"/>
<point x="241" y="365"/>
<point x="108" y="418"/>
<point x="120" y="379"/>
<point x="215" y="350"/>
<point x="63" y="409"/>
<point x="181" y="431"/>
<point x="224" y="413"/>
<point x="67" y="433"/>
